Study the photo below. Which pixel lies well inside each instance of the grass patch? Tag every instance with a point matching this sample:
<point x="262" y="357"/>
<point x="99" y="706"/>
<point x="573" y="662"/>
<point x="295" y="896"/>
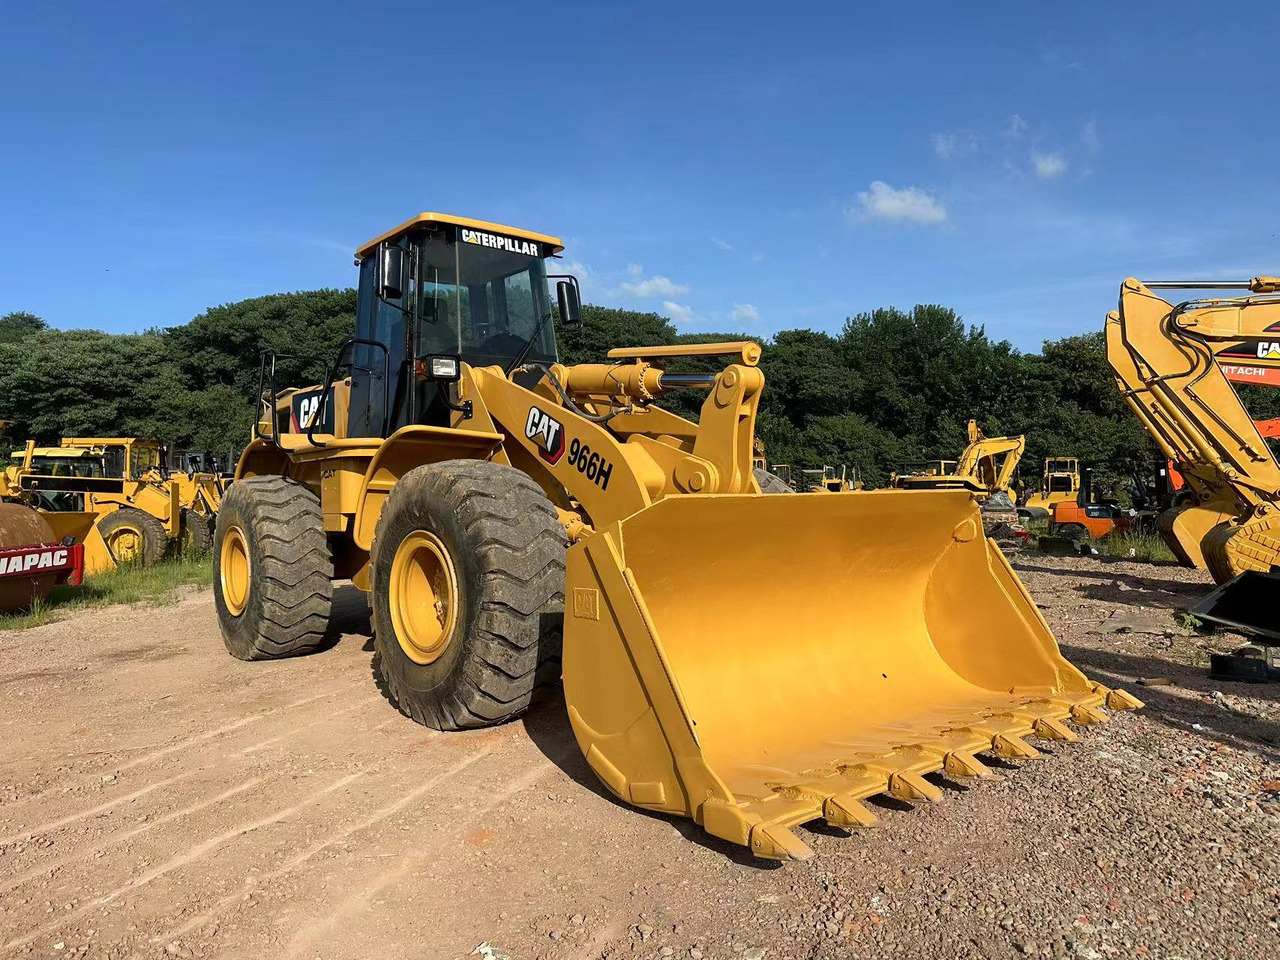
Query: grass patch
<point x="1188" y="622"/>
<point x="1037" y="527"/>
<point x="1147" y="547"/>
<point x="131" y="584"/>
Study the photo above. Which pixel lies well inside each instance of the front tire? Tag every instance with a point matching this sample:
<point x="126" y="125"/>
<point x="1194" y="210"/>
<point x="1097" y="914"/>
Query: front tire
<point x="133" y="536"/>
<point x="272" y="570"/>
<point x="468" y="592"/>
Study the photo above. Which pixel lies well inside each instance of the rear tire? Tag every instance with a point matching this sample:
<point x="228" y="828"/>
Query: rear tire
<point x="770" y="482"/>
<point x="468" y="593"/>
<point x="134" y="536"/>
<point x="272" y="570"/>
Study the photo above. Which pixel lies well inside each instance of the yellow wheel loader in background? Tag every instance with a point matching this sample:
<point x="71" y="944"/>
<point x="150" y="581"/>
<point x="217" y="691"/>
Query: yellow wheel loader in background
<point x="1060" y="483"/>
<point x="752" y="662"/>
<point x="1165" y="361"/>
<point x="141" y="508"/>
<point x="828" y="479"/>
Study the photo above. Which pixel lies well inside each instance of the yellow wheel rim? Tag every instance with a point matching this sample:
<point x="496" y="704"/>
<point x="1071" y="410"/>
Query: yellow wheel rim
<point x="234" y="564"/>
<point x="423" y="596"/>
<point x="125" y="544"/>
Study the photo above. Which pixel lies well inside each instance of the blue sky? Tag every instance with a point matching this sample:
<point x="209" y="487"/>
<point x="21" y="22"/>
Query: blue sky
<point x="735" y="166"/>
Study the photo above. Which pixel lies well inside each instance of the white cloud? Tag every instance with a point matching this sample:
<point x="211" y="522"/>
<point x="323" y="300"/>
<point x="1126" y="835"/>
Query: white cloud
<point x="576" y="267"/>
<point x="1089" y="136"/>
<point x="745" y="313"/>
<point x="721" y="244"/>
<point x="677" y="312"/>
<point x="1048" y="165"/>
<point x="954" y="145"/>
<point x="905" y="205"/>
<point x="1016" y="129"/>
<point x="656" y="286"/>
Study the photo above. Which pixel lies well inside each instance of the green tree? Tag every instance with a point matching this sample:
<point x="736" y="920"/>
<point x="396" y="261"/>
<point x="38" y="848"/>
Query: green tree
<point x="19" y="325"/>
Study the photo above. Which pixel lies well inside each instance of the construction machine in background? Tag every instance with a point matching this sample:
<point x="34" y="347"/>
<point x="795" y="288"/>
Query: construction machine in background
<point x="752" y="662"/>
<point x="828" y="479"/>
<point x="39" y="551"/>
<point x="1182" y="395"/>
<point x="986" y="468"/>
<point x="771" y="478"/>
<point x="1079" y="521"/>
<point x="1059" y="483"/>
<point x="142" y="509"/>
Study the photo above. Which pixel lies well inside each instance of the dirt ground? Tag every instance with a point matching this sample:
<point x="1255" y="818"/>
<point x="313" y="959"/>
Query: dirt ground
<point x="160" y="799"/>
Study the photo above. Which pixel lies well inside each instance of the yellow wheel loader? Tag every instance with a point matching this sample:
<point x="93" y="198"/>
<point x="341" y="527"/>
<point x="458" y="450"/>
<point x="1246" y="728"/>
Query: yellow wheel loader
<point x="753" y="662"/>
<point x="1060" y="483"/>
<point x="141" y="508"/>
<point x="1165" y="359"/>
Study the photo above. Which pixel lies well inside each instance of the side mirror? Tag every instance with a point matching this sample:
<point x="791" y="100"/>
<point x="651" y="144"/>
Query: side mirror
<point x="570" y="304"/>
<point x="391" y="270"/>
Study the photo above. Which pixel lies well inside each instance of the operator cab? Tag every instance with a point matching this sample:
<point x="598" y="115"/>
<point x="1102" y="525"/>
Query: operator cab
<point x="438" y="289"/>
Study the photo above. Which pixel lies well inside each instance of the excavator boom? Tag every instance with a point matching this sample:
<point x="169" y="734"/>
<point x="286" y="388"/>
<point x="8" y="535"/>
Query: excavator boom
<point x="1165" y="358"/>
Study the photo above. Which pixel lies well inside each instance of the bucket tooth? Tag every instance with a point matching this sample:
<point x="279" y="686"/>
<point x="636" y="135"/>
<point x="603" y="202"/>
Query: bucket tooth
<point x="845" y="810"/>
<point x="777" y="842"/>
<point x="1084" y="714"/>
<point x="913" y="788"/>
<point x="957" y="763"/>
<point x="1121" y="700"/>
<point x="1012" y="747"/>
<point x="1051" y="728"/>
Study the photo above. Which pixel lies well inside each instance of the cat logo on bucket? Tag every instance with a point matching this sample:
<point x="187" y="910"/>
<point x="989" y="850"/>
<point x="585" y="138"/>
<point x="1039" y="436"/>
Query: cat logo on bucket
<point x="547" y="433"/>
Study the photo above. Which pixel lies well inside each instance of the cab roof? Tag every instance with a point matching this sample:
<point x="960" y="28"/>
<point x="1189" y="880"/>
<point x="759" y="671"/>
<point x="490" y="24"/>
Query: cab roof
<point x="368" y="248"/>
<point x="72" y="443"/>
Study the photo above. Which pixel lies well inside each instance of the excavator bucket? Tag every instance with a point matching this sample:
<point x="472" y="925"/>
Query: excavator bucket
<point x="1184" y="528"/>
<point x="758" y="662"/>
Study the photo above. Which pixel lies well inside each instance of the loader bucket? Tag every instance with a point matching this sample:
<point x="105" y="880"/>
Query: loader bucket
<point x="83" y="528"/>
<point x="757" y="662"/>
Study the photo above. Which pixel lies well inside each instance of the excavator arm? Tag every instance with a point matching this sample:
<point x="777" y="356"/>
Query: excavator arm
<point x="1190" y="403"/>
<point x="980" y="460"/>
